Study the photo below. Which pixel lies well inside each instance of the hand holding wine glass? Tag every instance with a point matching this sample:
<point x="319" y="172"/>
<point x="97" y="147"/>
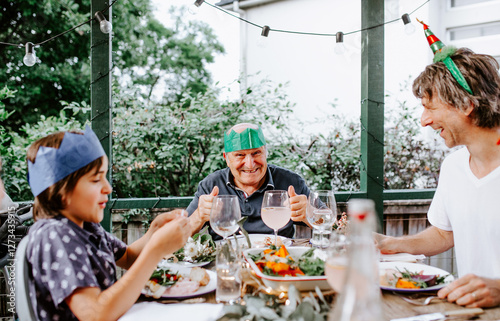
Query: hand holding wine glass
<point x="225" y="215"/>
<point x="276" y="210"/>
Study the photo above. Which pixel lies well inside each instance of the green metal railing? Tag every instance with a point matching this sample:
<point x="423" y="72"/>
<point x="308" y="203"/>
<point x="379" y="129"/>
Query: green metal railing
<point x="372" y="115"/>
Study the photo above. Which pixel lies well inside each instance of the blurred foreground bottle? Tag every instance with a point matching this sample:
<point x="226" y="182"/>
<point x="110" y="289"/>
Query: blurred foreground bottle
<point x="360" y="299"/>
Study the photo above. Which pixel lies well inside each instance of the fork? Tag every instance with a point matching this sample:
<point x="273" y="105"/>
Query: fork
<point x="418" y="302"/>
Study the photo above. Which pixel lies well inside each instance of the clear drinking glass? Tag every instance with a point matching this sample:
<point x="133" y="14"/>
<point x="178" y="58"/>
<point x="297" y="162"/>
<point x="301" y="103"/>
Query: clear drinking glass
<point x="336" y="261"/>
<point x="276" y="210"/>
<point x="228" y="266"/>
<point x="321" y="213"/>
<point x="225" y="215"/>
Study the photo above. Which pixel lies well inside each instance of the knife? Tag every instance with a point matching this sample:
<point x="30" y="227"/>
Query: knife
<point x="442" y="316"/>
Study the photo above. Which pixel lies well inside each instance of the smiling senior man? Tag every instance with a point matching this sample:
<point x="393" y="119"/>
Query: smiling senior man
<point x="248" y="176"/>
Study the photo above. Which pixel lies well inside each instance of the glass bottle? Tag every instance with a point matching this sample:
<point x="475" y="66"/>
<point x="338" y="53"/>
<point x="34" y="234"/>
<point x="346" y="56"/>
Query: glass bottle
<point x="360" y="299"/>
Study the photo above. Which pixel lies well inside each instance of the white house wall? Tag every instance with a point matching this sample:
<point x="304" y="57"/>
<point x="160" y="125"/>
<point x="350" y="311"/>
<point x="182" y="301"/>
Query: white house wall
<point x="317" y="77"/>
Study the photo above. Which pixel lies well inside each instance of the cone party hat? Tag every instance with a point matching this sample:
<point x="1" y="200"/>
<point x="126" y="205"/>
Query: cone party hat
<point x="442" y="53"/>
<point x="434" y="42"/>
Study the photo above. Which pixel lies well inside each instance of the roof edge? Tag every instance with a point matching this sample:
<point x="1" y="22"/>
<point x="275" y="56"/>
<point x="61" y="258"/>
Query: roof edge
<point x="244" y="4"/>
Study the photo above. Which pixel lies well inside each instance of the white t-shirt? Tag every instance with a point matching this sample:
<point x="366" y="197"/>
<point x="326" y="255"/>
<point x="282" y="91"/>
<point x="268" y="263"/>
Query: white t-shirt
<point x="470" y="207"/>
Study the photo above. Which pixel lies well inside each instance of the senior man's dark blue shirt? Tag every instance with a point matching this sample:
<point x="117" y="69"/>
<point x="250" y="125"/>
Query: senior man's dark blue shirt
<point x="277" y="178"/>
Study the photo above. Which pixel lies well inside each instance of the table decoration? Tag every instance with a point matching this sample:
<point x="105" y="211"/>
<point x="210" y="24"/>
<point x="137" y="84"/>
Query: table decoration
<point x="264" y="306"/>
<point x="198" y="250"/>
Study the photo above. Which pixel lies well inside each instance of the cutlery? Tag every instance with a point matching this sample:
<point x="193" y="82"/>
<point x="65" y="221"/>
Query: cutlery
<point x="419" y="302"/>
<point x="447" y="315"/>
<point x="194" y="300"/>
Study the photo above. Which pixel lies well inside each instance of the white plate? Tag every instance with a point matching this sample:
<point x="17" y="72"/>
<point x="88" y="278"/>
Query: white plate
<point x="281" y="283"/>
<point x="415" y="267"/>
<point x="258" y="240"/>
<point x="210" y="287"/>
<point x="181" y="264"/>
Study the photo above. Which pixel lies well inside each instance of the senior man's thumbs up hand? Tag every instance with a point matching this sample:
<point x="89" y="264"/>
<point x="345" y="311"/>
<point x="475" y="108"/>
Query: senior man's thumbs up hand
<point x="298" y="205"/>
<point x="202" y="213"/>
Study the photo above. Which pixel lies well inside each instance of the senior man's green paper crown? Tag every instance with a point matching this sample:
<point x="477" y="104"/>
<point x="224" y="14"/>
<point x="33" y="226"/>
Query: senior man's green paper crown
<point x="248" y="139"/>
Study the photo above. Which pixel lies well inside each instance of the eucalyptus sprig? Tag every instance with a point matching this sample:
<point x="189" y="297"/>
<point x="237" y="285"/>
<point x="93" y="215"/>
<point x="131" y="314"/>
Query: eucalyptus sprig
<point x="263" y="307"/>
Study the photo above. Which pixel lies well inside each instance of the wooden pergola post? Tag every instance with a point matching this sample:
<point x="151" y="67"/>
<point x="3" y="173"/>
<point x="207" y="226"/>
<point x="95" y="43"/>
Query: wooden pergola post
<point x="100" y="89"/>
<point x="372" y="103"/>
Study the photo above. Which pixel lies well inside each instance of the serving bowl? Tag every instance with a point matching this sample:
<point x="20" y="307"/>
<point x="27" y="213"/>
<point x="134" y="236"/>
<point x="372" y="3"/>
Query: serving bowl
<point x="281" y="283"/>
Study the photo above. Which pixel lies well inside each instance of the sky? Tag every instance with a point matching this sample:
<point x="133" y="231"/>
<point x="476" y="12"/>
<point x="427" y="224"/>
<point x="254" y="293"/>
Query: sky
<point x="225" y="69"/>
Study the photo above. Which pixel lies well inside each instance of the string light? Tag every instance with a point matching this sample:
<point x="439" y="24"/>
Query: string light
<point x="30" y="58"/>
<point x="265" y="31"/>
<point x="339" y="45"/>
<point x="104" y="24"/>
<point x="194" y="7"/>
<point x="106" y="27"/>
<point x="264" y="35"/>
<point x="409" y="27"/>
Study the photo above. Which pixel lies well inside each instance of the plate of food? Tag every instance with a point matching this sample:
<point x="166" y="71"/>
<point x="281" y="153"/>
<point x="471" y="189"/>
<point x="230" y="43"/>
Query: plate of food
<point x="180" y="283"/>
<point x="412" y="277"/>
<point x="261" y="240"/>
<point x="304" y="267"/>
<point x="199" y="250"/>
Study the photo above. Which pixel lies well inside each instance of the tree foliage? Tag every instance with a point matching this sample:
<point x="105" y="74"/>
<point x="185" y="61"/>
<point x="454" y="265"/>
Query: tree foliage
<point x="145" y="55"/>
<point x="166" y="149"/>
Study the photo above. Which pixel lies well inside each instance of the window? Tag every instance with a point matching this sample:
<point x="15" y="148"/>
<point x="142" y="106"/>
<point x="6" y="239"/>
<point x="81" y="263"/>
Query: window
<point x="461" y="3"/>
<point x="482" y="30"/>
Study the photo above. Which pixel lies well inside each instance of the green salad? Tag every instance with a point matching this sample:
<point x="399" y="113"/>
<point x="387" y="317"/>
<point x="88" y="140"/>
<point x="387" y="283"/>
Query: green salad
<point x="278" y="262"/>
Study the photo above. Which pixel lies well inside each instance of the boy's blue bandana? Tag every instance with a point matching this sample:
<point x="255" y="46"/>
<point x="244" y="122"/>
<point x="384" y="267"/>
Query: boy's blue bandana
<point x="53" y="164"/>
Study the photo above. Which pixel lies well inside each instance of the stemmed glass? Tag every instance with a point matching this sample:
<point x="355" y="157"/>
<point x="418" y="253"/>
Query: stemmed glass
<point x="225" y="215"/>
<point x="321" y="213"/>
<point x="276" y="210"/>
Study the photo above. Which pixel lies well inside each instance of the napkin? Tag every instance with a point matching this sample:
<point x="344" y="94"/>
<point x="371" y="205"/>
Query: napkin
<point x="401" y="257"/>
<point x="179" y="311"/>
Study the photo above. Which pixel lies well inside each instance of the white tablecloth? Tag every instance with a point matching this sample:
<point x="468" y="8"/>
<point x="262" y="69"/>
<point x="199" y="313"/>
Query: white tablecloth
<point x="151" y="311"/>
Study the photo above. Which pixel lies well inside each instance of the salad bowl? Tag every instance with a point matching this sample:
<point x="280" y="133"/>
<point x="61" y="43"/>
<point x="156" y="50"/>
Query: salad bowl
<point x="281" y="283"/>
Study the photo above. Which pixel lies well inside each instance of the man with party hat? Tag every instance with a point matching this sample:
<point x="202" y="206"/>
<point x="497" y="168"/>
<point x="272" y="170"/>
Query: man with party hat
<point x="248" y="176"/>
<point x="460" y="93"/>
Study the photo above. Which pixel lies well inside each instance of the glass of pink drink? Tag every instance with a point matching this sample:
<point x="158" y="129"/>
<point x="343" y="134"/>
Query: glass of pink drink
<point x="275" y="210"/>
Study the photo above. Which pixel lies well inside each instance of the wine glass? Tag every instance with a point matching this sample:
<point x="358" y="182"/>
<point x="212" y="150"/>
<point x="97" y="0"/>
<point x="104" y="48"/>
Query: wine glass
<point x="321" y="213"/>
<point x="276" y="210"/>
<point x="225" y="215"/>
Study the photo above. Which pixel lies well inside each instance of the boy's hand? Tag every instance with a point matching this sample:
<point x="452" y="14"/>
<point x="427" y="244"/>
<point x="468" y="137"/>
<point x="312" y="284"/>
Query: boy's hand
<point x="172" y="235"/>
<point x="166" y="217"/>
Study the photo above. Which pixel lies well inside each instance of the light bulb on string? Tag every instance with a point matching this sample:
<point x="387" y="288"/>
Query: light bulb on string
<point x="194" y="8"/>
<point x="264" y="36"/>
<point x="104" y="24"/>
<point x="340" y="48"/>
<point x="30" y="58"/>
<point x="409" y="27"/>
